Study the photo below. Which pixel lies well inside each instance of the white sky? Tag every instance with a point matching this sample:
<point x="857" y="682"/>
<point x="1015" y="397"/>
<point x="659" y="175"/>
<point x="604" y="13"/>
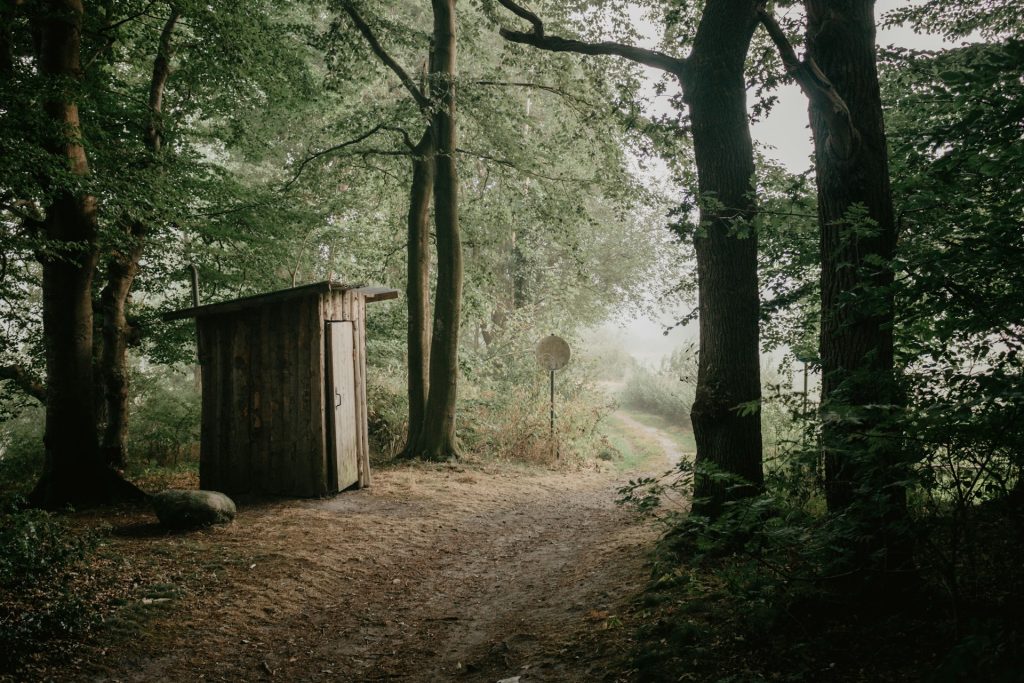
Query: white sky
<point x="785" y="131"/>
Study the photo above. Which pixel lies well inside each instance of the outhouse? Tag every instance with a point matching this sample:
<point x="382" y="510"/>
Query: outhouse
<point x="284" y="390"/>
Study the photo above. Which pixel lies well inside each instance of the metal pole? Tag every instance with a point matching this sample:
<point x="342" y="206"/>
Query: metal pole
<point x="553" y="413"/>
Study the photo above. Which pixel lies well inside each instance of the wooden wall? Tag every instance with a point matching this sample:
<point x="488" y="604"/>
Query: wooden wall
<point x="263" y="411"/>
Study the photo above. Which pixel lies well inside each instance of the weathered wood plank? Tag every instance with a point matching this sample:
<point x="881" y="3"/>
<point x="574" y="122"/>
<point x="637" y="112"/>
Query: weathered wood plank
<point x="344" y="432"/>
<point x="316" y="419"/>
<point x="362" y="418"/>
<point x="275" y="387"/>
<point x="258" y="446"/>
<point x="238" y="419"/>
<point x="226" y="460"/>
<point x="208" y="431"/>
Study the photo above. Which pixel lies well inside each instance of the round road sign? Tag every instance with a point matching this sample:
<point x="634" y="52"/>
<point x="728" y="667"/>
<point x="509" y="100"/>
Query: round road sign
<point x="552" y="353"/>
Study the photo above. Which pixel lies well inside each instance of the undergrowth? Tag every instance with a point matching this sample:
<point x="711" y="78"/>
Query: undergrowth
<point x="766" y="593"/>
<point x="42" y="602"/>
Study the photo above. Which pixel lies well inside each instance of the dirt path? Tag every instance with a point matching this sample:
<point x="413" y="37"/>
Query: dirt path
<point x="673" y="452"/>
<point x="433" y="574"/>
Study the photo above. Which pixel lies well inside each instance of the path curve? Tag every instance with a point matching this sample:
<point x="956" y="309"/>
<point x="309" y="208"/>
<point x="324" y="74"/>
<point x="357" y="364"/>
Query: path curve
<point x="673" y="452"/>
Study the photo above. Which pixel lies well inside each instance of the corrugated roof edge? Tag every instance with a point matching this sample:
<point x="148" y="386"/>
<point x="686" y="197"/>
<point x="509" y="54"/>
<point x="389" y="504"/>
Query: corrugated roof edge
<point x="371" y="294"/>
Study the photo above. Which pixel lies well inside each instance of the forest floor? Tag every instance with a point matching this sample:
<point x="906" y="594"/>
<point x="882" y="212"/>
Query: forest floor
<point x="468" y="572"/>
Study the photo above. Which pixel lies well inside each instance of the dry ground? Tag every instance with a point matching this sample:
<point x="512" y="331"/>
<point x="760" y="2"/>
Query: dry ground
<point x="436" y="573"/>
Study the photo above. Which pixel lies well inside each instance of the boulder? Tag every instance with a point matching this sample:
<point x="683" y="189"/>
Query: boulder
<point x="180" y="509"/>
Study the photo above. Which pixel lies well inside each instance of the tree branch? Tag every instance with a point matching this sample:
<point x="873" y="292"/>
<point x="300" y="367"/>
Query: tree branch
<point x="538" y="39"/>
<point x="535" y="86"/>
<point x="130" y="17"/>
<point x="158" y="82"/>
<point x="422" y="100"/>
<point x="843" y="137"/>
<point x="348" y="143"/>
<point x="24" y="380"/>
<point x="513" y="165"/>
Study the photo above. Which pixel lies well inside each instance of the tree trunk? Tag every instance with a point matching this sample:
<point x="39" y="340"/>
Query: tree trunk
<point x="858" y="239"/>
<point x="122" y="267"/>
<point x="726" y="412"/>
<point x="417" y="287"/>
<point x="73" y="471"/>
<point x="728" y="438"/>
<point x="438" y="436"/>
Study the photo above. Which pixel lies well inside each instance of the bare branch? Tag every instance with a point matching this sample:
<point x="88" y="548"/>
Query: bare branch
<point x="316" y="155"/>
<point x="158" y="82"/>
<point x="24" y="380"/>
<point x="508" y="163"/>
<point x="538" y="25"/>
<point x="538" y="39"/>
<point x="843" y="137"/>
<point x="130" y="17"/>
<point x="405" y="135"/>
<point x="422" y="100"/>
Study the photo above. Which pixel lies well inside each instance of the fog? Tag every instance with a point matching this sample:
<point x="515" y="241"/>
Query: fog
<point x="782" y="135"/>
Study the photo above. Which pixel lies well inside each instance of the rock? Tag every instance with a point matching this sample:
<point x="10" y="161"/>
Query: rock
<point x="179" y="509"/>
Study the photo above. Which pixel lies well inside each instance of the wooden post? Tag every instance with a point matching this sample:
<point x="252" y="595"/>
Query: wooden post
<point x="197" y="375"/>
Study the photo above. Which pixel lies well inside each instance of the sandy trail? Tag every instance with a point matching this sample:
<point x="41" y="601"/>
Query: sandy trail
<point x="433" y="574"/>
<point x="673" y="453"/>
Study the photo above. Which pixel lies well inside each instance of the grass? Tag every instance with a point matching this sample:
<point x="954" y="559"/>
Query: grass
<point x="682" y="435"/>
<point x="639" y="450"/>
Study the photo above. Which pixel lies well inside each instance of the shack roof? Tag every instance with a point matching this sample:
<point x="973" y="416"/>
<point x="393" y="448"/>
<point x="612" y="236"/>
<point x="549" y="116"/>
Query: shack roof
<point x="371" y="294"/>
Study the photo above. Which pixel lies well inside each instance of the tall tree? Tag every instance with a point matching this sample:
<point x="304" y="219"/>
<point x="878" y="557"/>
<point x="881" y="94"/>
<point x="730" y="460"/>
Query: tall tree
<point x="433" y="372"/>
<point x="123" y="265"/>
<point x="417" y="287"/>
<point x="437" y="435"/>
<point x="727" y="431"/>
<point x="860" y="394"/>
<point x="857" y="233"/>
<point x="858" y="241"/>
<point x="74" y="471"/>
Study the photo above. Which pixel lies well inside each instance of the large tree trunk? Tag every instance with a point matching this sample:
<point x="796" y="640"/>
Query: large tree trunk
<point x="438" y="436"/>
<point x="73" y="470"/>
<point x="726" y="412"/>
<point x="417" y="287"/>
<point x="122" y="267"/>
<point x="728" y="437"/>
<point x="860" y="393"/>
<point x="858" y="238"/>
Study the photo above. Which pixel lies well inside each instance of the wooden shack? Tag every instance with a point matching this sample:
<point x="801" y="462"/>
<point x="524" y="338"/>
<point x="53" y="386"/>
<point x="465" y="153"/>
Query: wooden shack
<point x="284" y="390"/>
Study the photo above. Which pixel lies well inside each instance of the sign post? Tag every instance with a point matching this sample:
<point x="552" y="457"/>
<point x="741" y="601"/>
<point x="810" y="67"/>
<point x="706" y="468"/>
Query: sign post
<point x="553" y="354"/>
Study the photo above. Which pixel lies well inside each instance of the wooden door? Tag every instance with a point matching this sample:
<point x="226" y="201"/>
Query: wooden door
<point x="341" y="403"/>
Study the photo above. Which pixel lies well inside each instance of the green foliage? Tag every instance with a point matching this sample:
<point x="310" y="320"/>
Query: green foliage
<point x="164" y="416"/>
<point x="39" y="603"/>
<point x="668" y="391"/>
<point x="21" y="450"/>
<point x="506" y="405"/>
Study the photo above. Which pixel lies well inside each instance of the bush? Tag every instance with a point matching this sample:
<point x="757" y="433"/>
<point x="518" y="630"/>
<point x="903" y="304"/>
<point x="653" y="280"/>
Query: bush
<point x="387" y="412"/>
<point x="39" y="555"/>
<point x="668" y="391"/>
<point x="21" y="449"/>
<point x="164" y="421"/>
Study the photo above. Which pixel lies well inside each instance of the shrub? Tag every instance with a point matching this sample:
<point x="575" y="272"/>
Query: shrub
<point x="668" y="391"/>
<point x="39" y="555"/>
<point x="21" y="449"/>
<point x="165" y="412"/>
